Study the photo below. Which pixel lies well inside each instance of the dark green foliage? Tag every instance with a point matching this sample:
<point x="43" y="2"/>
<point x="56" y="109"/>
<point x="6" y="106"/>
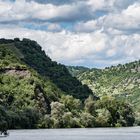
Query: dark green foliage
<point x="120" y="112"/>
<point x="121" y="81"/>
<point x="109" y="111"/>
<point x="58" y="73"/>
<point x="36" y="92"/>
<point x="26" y="119"/>
<point x="6" y="41"/>
<point x="3" y="119"/>
<point x="76" y="70"/>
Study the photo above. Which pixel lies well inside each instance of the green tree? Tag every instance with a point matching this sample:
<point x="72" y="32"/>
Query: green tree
<point x="57" y="111"/>
<point x="90" y="106"/>
<point x="71" y="103"/>
<point x="87" y="120"/>
<point x="103" y="118"/>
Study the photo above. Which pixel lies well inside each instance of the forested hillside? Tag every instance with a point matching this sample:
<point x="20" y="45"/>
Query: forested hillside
<point x="36" y="92"/>
<point x="121" y="81"/>
<point x="33" y="56"/>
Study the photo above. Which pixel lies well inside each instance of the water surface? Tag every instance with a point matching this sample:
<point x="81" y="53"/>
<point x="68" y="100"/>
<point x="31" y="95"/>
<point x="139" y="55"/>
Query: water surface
<point x="76" y="134"/>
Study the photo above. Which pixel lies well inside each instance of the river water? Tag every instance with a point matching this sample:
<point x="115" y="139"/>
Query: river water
<point x="132" y="133"/>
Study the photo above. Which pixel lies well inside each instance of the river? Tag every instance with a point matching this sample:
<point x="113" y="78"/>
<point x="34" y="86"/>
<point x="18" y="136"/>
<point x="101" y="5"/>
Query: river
<point x="132" y="133"/>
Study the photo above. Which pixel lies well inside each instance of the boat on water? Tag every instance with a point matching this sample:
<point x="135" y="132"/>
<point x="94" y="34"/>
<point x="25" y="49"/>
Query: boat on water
<point x="4" y="134"/>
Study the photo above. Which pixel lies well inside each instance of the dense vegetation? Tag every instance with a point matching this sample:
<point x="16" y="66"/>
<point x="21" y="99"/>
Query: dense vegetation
<point x="121" y="81"/>
<point x="36" y="92"/>
<point x="58" y="73"/>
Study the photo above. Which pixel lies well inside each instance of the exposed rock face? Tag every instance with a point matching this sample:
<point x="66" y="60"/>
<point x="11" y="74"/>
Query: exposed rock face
<point x="20" y="73"/>
<point x="17" y="72"/>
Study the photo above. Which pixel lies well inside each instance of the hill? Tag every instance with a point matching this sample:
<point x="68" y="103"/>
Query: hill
<point x="76" y="70"/>
<point x="36" y="92"/>
<point x="121" y="81"/>
<point x="31" y="54"/>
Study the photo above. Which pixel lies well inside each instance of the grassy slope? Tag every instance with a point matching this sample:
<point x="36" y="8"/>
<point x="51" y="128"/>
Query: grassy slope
<point x="57" y="73"/>
<point x="120" y="81"/>
<point x="27" y="97"/>
<point x="18" y="82"/>
<point x="29" y="83"/>
<point x="29" y="79"/>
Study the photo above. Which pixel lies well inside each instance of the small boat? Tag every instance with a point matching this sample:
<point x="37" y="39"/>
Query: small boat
<point x="4" y="134"/>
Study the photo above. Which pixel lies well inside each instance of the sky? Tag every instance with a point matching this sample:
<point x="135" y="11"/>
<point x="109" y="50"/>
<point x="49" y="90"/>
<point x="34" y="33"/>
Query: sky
<point x="91" y="33"/>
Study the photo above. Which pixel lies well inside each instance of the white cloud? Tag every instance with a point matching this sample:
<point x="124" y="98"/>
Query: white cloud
<point x="110" y="5"/>
<point x="126" y="20"/>
<point x="88" y="26"/>
<point x="28" y="11"/>
<point x="90" y="49"/>
<point x="132" y="12"/>
<point x="96" y="4"/>
<point x="103" y="40"/>
<point x="54" y="27"/>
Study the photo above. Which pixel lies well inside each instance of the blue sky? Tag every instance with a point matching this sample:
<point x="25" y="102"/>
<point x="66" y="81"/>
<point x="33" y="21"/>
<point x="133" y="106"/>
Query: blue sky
<point x="93" y="33"/>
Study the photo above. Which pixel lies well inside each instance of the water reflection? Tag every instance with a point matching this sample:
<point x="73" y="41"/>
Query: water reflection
<point x="76" y="134"/>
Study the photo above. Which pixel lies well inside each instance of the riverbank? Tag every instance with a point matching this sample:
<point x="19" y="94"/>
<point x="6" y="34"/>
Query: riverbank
<point x="127" y="133"/>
